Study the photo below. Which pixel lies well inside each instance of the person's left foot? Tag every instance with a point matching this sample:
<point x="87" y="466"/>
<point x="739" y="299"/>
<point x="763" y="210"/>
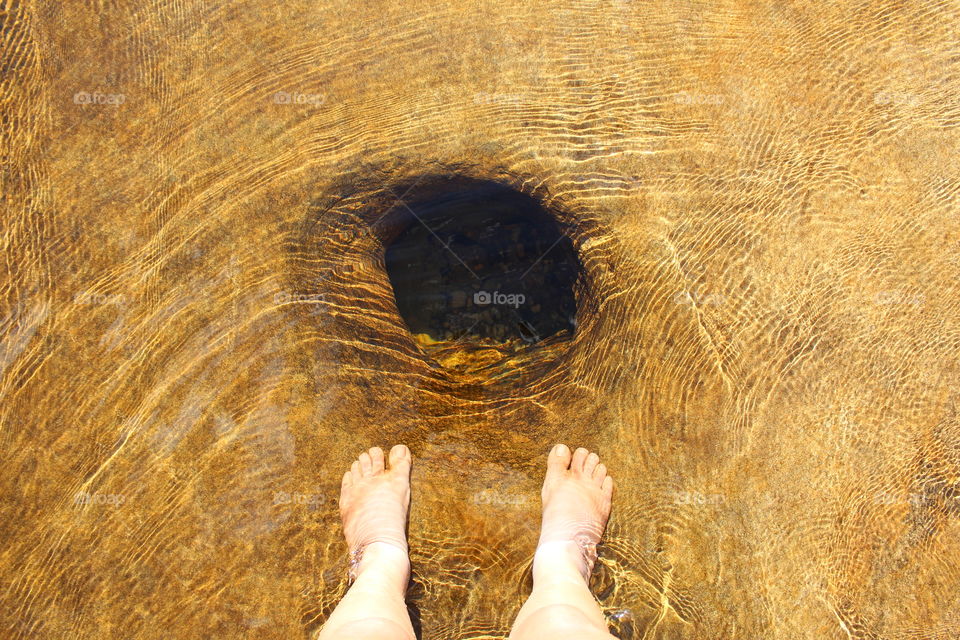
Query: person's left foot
<point x="374" y="502"/>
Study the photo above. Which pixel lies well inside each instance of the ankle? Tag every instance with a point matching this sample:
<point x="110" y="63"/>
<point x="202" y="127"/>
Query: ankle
<point x="383" y="561"/>
<point x="562" y="561"/>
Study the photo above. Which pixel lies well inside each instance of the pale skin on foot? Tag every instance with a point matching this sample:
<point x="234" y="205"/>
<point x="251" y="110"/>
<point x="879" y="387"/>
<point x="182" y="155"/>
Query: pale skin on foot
<point x="374" y="504"/>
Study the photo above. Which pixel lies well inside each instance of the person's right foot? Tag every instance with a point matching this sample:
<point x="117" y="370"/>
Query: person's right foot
<point x="577" y="494"/>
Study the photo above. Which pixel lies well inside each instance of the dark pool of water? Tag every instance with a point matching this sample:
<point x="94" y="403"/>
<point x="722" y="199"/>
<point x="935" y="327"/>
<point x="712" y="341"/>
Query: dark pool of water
<point x="477" y="260"/>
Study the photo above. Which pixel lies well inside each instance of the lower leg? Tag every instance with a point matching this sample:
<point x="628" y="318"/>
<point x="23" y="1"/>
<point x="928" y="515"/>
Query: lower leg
<point x="373" y="607"/>
<point x="577" y="495"/>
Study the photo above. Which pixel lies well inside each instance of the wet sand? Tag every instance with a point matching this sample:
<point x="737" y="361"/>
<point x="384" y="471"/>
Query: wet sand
<point x="199" y="333"/>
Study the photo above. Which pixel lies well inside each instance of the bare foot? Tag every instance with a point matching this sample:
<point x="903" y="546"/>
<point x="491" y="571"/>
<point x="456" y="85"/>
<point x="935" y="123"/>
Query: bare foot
<point x="374" y="502"/>
<point x="577" y="495"/>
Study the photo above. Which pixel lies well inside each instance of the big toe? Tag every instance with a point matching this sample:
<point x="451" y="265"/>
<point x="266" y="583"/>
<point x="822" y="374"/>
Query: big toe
<point x="559" y="459"/>
<point x="400" y="458"/>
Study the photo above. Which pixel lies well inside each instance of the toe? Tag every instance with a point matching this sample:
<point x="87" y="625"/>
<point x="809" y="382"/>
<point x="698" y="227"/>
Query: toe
<point x="600" y="474"/>
<point x="590" y="464"/>
<point x="376" y="459"/>
<point x="579" y="457"/>
<point x="355" y="470"/>
<point x="400" y="458"/>
<point x="607" y="485"/>
<point x="559" y="459"/>
<point x="346" y="489"/>
<point x="366" y="465"/>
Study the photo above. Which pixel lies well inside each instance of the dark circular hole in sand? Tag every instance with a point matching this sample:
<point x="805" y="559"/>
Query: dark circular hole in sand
<point x="478" y="261"/>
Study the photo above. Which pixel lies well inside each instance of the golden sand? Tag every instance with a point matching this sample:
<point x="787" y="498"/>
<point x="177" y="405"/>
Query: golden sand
<point x="199" y="335"/>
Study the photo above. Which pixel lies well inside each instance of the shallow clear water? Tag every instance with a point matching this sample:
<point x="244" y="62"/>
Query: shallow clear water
<point x="200" y="332"/>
